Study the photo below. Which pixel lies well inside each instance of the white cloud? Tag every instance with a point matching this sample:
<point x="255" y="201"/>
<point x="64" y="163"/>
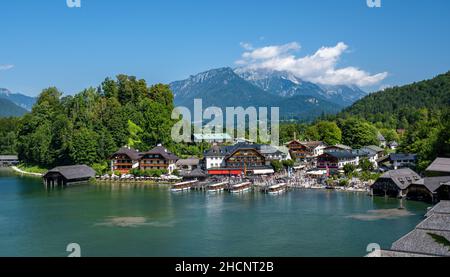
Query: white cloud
<point x="247" y="46"/>
<point x="321" y="67"/>
<point x="6" y="66"/>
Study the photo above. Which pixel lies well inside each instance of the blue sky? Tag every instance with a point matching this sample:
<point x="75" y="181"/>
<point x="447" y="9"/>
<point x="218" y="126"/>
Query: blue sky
<point x="44" y="43"/>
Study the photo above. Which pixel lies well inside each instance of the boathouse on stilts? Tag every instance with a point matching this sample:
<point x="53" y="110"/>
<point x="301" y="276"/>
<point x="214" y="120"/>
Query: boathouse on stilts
<point x="63" y="176"/>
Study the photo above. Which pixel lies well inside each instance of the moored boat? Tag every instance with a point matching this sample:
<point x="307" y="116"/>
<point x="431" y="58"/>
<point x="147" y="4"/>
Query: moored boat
<point x="240" y="188"/>
<point x="183" y="186"/>
<point x="277" y="189"/>
<point x="218" y="187"/>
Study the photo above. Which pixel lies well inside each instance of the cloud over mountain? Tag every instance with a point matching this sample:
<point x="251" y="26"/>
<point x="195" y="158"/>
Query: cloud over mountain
<point x="321" y="67"/>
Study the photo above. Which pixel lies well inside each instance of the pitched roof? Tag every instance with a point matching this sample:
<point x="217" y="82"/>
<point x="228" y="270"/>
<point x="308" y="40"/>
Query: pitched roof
<point x="342" y="146"/>
<point x="196" y="173"/>
<point x="440" y="165"/>
<point x="380" y="137"/>
<point x="73" y="172"/>
<point x="434" y="183"/>
<point x="442" y="207"/>
<point x="402" y="157"/>
<point x="403" y="177"/>
<point x="188" y="162"/>
<point x="130" y="152"/>
<point x="374" y="148"/>
<point x="9" y="157"/>
<point x="393" y="143"/>
<point x="216" y="150"/>
<point x="161" y="150"/>
<point x="341" y="154"/>
<point x="313" y="144"/>
<point x="421" y="240"/>
<point x="362" y="153"/>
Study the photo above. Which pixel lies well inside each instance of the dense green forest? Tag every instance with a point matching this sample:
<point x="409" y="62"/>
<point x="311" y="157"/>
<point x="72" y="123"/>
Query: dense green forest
<point x="88" y="127"/>
<point x="400" y="107"/>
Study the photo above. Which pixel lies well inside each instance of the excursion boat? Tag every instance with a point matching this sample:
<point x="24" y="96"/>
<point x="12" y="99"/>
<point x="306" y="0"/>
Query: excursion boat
<point x="240" y="188"/>
<point x="219" y="187"/>
<point x="277" y="189"/>
<point x="183" y="186"/>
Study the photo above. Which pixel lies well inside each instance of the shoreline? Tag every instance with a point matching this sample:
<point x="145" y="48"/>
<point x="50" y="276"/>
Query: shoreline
<point x="21" y="172"/>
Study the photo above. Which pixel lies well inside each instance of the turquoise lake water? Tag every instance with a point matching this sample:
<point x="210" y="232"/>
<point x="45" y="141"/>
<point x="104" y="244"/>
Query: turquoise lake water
<point x="135" y="220"/>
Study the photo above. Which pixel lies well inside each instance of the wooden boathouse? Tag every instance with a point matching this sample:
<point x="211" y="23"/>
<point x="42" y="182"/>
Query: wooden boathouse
<point x="8" y="160"/>
<point x="68" y="175"/>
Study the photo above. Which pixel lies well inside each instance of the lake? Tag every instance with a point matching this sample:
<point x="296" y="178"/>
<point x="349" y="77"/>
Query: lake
<point x="137" y="220"/>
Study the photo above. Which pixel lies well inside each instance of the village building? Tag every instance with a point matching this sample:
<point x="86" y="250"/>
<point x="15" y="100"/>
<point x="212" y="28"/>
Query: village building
<point x="427" y="239"/>
<point x="430" y="189"/>
<point x="395" y="183"/>
<point x="240" y="159"/>
<point x="68" y="175"/>
<point x="8" y="160"/>
<point x="335" y="161"/>
<point x="439" y="167"/>
<point x="381" y="140"/>
<point x="338" y="147"/>
<point x="393" y="145"/>
<point x="125" y="160"/>
<point x="379" y="152"/>
<point x="245" y="156"/>
<point x="159" y="158"/>
<point x="215" y="157"/>
<point x="301" y="151"/>
<point x="273" y="153"/>
<point x="433" y="188"/>
<point x="298" y="151"/>
<point x="363" y="154"/>
<point x="196" y="174"/>
<point x="186" y="166"/>
<point x="399" y="160"/>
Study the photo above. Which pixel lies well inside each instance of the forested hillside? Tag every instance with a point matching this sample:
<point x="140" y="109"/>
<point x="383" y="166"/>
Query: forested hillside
<point x="398" y="107"/>
<point x="416" y="115"/>
<point x="88" y="127"/>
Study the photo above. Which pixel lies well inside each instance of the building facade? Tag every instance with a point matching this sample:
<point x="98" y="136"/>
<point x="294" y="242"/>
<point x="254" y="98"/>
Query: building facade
<point x="125" y="160"/>
<point x="159" y="158"/>
<point x="336" y="160"/>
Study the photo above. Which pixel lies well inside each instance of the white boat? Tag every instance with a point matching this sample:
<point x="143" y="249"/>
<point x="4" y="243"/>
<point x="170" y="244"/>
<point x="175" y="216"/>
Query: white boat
<point x="277" y="189"/>
<point x="219" y="187"/>
<point x="183" y="186"/>
<point x="240" y="188"/>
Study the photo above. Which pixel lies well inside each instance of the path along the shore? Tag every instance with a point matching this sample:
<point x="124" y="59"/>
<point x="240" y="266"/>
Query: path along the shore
<point x="18" y="170"/>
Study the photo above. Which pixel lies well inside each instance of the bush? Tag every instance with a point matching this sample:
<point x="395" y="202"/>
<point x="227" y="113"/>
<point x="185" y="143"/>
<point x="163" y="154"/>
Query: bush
<point x="100" y="168"/>
<point x="343" y="182"/>
<point x="277" y="166"/>
<point x="288" y="163"/>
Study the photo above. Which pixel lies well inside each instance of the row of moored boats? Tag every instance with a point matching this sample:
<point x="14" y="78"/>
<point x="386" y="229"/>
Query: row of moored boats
<point x="225" y="186"/>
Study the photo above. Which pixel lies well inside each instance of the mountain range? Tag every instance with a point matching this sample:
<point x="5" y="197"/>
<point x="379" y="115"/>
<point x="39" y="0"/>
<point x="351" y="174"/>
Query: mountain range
<point x="297" y="99"/>
<point x="227" y="87"/>
<point x="21" y="100"/>
<point x="8" y="108"/>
